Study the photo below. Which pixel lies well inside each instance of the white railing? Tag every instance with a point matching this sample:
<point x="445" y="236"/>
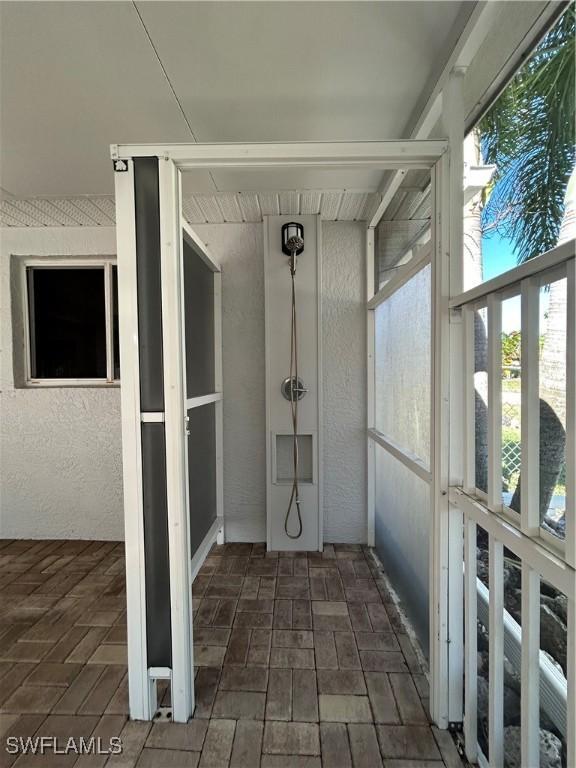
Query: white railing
<point x="542" y="556"/>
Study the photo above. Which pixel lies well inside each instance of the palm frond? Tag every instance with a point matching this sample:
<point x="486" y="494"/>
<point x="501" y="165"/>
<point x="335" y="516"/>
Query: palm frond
<point x="529" y="134"/>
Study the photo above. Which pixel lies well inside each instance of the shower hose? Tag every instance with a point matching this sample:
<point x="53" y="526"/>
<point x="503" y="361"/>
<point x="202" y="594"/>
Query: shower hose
<point x="294" y="396"/>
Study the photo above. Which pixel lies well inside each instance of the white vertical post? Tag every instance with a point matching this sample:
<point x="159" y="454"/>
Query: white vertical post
<point x="469" y="420"/>
<point x="371" y="390"/>
<point x="140" y="691"/>
<point x="320" y="394"/>
<point x="494" y="403"/>
<point x="530" y="410"/>
<point x="439" y="458"/>
<point x="496" y="650"/>
<point x="453" y="388"/>
<point x="571" y="503"/>
<point x="571" y="678"/>
<point x="470" y="642"/>
<point x="530" y="677"/>
<point x="571" y="415"/>
<point x="176" y="466"/>
<point x="219" y="406"/>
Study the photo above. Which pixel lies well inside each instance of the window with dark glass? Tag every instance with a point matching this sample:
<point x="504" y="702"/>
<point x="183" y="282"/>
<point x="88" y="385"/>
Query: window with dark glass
<point x="73" y="328"/>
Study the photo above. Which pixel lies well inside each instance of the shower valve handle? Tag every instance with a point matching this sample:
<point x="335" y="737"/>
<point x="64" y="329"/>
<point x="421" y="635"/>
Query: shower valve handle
<point x="293" y="388"/>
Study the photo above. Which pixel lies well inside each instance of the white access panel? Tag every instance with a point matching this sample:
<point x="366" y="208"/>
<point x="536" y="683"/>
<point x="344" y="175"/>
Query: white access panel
<point x="278" y="417"/>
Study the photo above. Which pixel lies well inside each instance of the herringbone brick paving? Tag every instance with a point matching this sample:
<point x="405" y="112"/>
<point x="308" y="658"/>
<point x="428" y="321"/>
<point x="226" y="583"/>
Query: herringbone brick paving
<point x="301" y="661"/>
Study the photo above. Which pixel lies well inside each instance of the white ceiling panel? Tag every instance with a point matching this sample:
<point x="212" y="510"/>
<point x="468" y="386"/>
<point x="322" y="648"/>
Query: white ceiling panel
<point x="287" y="71"/>
<point x="250" y="206"/>
<point x="77" y="77"/>
<point x="330" y="205"/>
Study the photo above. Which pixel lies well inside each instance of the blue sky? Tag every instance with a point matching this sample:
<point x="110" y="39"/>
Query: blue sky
<point x="498" y="257"/>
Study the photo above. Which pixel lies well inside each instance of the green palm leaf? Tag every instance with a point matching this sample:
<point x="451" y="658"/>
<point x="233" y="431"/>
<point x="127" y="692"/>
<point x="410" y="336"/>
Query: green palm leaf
<point x="529" y="134"/>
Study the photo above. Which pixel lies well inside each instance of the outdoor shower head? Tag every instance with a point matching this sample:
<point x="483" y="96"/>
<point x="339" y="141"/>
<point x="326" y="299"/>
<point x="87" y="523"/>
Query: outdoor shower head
<point x="292" y="239"/>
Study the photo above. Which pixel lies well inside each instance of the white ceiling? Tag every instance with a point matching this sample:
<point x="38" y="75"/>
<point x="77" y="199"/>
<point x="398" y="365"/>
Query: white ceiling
<point x="78" y="76"/>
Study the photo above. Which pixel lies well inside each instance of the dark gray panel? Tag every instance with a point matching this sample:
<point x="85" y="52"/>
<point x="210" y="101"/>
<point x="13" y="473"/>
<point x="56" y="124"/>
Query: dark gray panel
<point x="199" y="324"/>
<point x="201" y="472"/>
<point x="157" y="568"/>
<point x="147" y="205"/>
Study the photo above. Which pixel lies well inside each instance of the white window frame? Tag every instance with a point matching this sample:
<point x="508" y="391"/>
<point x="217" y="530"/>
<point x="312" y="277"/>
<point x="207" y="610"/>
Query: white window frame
<point x="106" y="263"/>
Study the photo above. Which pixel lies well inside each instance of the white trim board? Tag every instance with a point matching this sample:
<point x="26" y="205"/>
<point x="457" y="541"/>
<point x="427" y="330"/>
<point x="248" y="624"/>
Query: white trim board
<point x="339" y="154"/>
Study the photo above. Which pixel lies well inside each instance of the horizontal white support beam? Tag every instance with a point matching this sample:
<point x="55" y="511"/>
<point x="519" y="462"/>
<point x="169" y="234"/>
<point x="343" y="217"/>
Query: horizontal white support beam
<point x="152" y="418"/>
<point x="540" y="264"/>
<point x="199" y="248"/>
<point x="403" y="274"/>
<point x="335" y="154"/>
<point x="552" y="568"/>
<point x="197" y="402"/>
<point x="410" y="460"/>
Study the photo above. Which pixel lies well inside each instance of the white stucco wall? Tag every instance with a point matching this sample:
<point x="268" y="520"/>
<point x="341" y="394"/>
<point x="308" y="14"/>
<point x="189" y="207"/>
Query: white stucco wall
<point x="60" y="449"/>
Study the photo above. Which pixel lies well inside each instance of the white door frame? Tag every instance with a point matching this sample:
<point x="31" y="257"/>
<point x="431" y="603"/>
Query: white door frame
<point x="173" y="158"/>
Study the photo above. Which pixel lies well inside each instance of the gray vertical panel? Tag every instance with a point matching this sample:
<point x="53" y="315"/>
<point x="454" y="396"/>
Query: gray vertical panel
<point x="201" y="472"/>
<point x="157" y="566"/>
<point x="199" y="324"/>
<point x="147" y="204"/>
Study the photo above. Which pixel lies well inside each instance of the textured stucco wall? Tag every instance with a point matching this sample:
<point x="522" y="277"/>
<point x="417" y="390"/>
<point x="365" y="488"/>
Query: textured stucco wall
<point x="60" y="448"/>
<point x="344" y="374"/>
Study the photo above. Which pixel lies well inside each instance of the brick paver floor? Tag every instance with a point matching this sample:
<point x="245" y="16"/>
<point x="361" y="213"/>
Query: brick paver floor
<point x="302" y="661"/>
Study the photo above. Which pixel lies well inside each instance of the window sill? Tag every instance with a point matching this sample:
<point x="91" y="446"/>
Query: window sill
<point x="67" y="383"/>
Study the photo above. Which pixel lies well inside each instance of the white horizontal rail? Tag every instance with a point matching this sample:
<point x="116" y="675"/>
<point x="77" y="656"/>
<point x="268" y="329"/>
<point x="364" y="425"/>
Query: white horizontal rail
<point x="156" y="417"/>
<point x="199" y="248"/>
<point x="552" y="568"/>
<point x="405" y="273"/>
<point x="335" y="154"/>
<point x="409" y="459"/>
<point x="540" y="264"/>
<point x="553" y="685"/>
<point x="197" y="402"/>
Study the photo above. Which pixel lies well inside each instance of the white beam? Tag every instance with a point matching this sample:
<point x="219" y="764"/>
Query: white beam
<point x="199" y="247"/>
<point x="182" y="692"/>
<point x="494" y="402"/>
<point x="359" y="154"/>
<point x="541" y="559"/>
<point x="496" y="651"/>
<point x="555" y="257"/>
<point x="530" y="408"/>
<point x="409" y="459"/>
<point x="370" y="391"/>
<point x="403" y="274"/>
<point x="530" y="676"/>
<point x="141" y="691"/>
<point x="571" y="414"/>
<point x="469" y="42"/>
<point x="470" y="641"/>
